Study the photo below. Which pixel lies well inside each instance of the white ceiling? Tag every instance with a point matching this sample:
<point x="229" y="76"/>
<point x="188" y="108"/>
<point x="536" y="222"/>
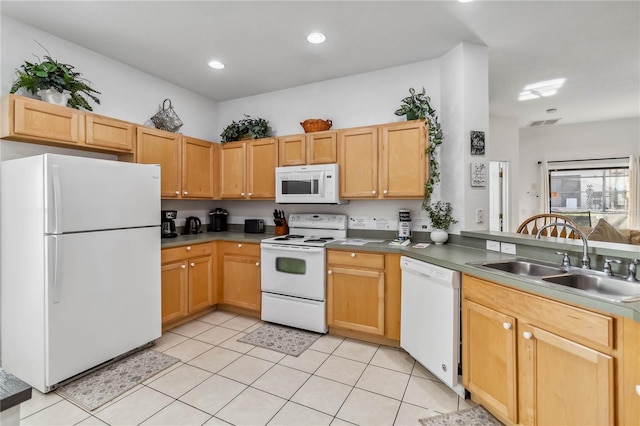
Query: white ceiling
<point x="595" y="45"/>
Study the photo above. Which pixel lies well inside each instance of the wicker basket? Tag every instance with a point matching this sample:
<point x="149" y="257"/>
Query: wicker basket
<point x="316" y="125"/>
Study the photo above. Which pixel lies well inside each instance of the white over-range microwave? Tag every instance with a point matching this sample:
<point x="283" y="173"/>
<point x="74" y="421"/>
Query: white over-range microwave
<point x="313" y="184"/>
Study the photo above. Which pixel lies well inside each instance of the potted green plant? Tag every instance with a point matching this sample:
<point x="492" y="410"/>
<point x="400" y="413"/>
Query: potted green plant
<point x="55" y="82"/>
<point x="418" y="106"/>
<point x="247" y="128"/>
<point x="440" y="215"/>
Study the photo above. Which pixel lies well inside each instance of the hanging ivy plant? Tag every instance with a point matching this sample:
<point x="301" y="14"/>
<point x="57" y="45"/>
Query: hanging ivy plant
<point x="418" y="105"/>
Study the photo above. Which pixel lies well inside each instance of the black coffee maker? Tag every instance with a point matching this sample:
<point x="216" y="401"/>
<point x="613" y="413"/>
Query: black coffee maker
<point x="218" y="220"/>
<point x="168" y="223"/>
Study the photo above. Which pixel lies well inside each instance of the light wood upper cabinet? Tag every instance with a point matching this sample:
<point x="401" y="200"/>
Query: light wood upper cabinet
<point x="262" y="159"/>
<point x="532" y="361"/>
<point x="292" y="150"/>
<point x="248" y="169"/>
<point x="403" y="163"/>
<point x="25" y="119"/>
<point x="105" y="132"/>
<point x="197" y="168"/>
<point x="358" y="160"/>
<point x="160" y="147"/>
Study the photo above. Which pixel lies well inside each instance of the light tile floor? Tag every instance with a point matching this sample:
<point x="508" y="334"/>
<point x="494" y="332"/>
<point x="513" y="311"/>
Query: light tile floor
<point x="221" y="381"/>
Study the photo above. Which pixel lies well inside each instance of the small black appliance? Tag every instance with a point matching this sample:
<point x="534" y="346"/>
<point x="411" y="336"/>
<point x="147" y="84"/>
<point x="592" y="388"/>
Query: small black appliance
<point x="192" y="225"/>
<point x="168" y="223"/>
<point x="254" y="226"/>
<point x="218" y="220"/>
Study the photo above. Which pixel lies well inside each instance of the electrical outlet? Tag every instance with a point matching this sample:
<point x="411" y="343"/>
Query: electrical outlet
<point x="508" y="248"/>
<point x="493" y="245"/>
<point x="479" y="215"/>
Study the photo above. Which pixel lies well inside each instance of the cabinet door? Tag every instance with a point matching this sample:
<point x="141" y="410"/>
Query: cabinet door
<point x="322" y="148"/>
<point x="200" y="283"/>
<point x="105" y="132"/>
<point x="358" y="159"/>
<point x="403" y="161"/>
<point x="45" y="121"/>
<point x="233" y="159"/>
<point x="355" y="299"/>
<point x="262" y="159"/>
<point x="563" y="382"/>
<point x="197" y="168"/>
<point x="159" y="147"/>
<point x="241" y="282"/>
<point x="292" y="150"/>
<point x="489" y="357"/>
<point x="174" y="291"/>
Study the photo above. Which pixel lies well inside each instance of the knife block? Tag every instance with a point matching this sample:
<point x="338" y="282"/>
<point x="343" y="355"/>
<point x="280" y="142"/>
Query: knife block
<point x="282" y="229"/>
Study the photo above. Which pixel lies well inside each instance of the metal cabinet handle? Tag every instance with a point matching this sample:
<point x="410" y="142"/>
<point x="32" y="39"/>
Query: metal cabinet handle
<point x="527" y="335"/>
<point x="385" y="191"/>
<point x="239" y="245"/>
<point x="329" y="272"/>
<point x="242" y="193"/>
<point x="177" y="192"/>
<point x="250" y="194"/>
<point x="373" y="192"/>
<point x="188" y="248"/>
<point x="257" y="263"/>
<point x="185" y="193"/>
<point x="183" y="266"/>
<point x="506" y="326"/>
<point x="353" y="255"/>
<point x="192" y="264"/>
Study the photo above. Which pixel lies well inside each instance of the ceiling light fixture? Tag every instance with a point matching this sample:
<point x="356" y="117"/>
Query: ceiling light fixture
<point x="465" y="1"/>
<point x="316" y="38"/>
<point x="216" y="65"/>
<point x="541" y="89"/>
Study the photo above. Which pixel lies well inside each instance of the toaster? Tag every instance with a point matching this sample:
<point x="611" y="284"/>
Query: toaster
<point x="254" y="226"/>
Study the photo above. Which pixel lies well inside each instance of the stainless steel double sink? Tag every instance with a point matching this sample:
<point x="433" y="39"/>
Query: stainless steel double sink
<point x="577" y="280"/>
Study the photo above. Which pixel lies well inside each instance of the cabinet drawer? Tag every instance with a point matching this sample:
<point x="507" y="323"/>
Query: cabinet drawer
<point x="574" y="323"/>
<point x="184" y="252"/>
<point x="246" y="249"/>
<point x="355" y="258"/>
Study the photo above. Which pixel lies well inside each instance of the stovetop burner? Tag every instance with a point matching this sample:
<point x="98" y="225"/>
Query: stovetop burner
<point x="319" y="240"/>
<point x="289" y="237"/>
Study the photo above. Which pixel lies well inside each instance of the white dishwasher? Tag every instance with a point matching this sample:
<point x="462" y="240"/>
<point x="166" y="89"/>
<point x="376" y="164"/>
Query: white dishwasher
<point x="430" y="319"/>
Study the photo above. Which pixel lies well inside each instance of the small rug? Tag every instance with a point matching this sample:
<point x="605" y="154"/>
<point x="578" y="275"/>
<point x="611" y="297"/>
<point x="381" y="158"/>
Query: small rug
<point x="290" y="341"/>
<point x="476" y="416"/>
<point x="105" y="384"/>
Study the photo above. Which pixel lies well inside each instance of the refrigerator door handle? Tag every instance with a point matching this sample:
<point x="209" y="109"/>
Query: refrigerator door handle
<point x="57" y="198"/>
<point x="55" y="262"/>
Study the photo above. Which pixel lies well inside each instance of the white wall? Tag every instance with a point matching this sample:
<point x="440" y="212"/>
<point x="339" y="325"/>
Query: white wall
<point x="600" y="139"/>
<point x="505" y="147"/>
<point x="126" y="93"/>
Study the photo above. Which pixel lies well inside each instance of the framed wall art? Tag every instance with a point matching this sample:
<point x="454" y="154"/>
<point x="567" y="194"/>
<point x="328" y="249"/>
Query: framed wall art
<point x="477" y="142"/>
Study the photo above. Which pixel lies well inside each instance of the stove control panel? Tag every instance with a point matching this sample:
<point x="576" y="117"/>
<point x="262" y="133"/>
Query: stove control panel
<point x="326" y="221"/>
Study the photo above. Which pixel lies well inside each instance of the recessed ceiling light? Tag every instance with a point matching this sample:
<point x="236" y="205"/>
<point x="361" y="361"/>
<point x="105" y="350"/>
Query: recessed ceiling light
<point x="541" y="89"/>
<point x="216" y="65"/>
<point x="316" y="38"/>
<point x="465" y="1"/>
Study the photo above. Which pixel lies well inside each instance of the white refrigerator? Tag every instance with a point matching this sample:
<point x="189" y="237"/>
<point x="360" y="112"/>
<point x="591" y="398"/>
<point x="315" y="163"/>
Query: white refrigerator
<point x="79" y="264"/>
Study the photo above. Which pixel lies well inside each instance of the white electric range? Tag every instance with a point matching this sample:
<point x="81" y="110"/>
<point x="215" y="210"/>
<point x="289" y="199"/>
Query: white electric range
<point x="293" y="276"/>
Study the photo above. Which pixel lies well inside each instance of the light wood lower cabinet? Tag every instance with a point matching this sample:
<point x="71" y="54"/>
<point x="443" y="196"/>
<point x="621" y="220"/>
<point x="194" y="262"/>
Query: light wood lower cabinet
<point x="362" y="295"/>
<point x="187" y="280"/>
<point x="241" y="275"/>
<point x="532" y="361"/>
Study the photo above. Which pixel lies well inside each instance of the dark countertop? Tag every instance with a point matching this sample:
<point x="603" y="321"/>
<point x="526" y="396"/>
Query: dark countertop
<point x="448" y="256"/>
<point x="13" y="391"/>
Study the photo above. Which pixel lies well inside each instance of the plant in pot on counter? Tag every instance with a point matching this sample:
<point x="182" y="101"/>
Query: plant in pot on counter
<point x="417" y="106"/>
<point x="55" y="82"/>
<point x="440" y="215"/>
<point x="247" y="128"/>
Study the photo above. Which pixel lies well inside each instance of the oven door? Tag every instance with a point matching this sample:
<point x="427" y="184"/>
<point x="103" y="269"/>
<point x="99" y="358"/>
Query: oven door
<point x="297" y="271"/>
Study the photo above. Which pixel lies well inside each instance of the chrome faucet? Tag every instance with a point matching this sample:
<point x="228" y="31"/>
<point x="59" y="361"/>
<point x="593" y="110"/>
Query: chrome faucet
<point x="632" y="270"/>
<point x="607" y="266"/>
<point x="586" y="262"/>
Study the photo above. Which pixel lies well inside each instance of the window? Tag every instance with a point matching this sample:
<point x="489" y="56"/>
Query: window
<point x="588" y="194"/>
